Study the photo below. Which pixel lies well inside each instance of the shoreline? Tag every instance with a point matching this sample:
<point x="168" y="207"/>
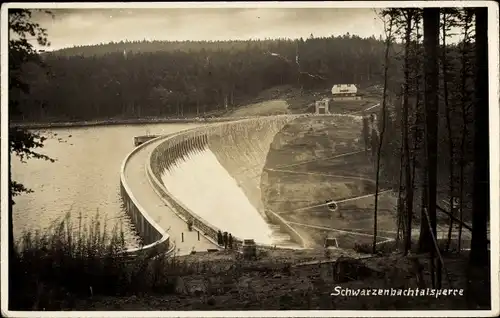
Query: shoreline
<point x="133" y="121"/>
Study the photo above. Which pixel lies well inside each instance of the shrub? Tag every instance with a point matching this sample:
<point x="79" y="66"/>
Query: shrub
<point x="52" y="269"/>
<point x="364" y="248"/>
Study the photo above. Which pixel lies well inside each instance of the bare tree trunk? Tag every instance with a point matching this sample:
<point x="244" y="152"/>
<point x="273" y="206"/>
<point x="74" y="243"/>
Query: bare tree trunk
<point x="406" y="148"/>
<point x="463" y="89"/>
<point x="461" y="198"/>
<point x="425" y="240"/>
<point x="401" y="192"/>
<point x="444" y="66"/>
<point x="400" y="211"/>
<point x="478" y="276"/>
<point x="382" y="131"/>
<point x="11" y="243"/>
<point x="481" y="197"/>
<point x="431" y="44"/>
<point x="425" y="237"/>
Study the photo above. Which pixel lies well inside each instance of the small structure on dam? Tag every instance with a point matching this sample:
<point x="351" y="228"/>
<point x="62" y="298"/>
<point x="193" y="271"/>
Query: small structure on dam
<point x="139" y="140"/>
<point x="322" y="106"/>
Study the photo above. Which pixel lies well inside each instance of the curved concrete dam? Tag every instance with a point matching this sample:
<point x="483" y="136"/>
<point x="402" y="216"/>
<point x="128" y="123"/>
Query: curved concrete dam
<point x="269" y="179"/>
<point x="212" y="174"/>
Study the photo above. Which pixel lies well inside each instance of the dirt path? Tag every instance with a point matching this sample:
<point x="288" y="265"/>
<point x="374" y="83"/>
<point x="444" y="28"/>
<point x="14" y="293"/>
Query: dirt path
<point x="320" y="174"/>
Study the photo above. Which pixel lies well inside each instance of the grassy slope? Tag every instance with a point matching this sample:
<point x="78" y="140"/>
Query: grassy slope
<point x="271" y="107"/>
<point x="272" y="101"/>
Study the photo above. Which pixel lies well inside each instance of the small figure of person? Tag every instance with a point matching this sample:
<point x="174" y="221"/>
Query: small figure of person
<point x="230" y="241"/>
<point x="225" y="240"/>
<point x="219" y="238"/>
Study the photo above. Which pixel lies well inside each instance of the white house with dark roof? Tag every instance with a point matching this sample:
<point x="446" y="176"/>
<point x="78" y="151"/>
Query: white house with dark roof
<point x="345" y="92"/>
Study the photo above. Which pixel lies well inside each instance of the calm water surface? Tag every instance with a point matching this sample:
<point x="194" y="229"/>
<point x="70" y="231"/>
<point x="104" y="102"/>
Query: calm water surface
<point x="84" y="179"/>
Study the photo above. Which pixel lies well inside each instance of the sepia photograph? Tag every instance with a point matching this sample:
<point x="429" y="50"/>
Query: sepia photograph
<point x="263" y="159"/>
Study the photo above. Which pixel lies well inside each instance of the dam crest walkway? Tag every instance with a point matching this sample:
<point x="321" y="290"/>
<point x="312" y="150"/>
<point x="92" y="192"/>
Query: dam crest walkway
<point x="137" y="180"/>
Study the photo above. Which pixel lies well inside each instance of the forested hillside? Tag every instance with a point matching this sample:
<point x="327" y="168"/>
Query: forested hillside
<point x="138" y="79"/>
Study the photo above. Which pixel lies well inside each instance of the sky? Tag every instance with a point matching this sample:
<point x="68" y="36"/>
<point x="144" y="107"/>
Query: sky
<point x="71" y="27"/>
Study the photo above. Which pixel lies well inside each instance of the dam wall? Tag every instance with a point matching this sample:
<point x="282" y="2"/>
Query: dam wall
<point x="156" y="241"/>
<point x="241" y="148"/>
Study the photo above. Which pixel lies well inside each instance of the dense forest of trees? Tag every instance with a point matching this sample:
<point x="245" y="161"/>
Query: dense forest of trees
<point x="138" y="79"/>
<point x="405" y="114"/>
<point x="437" y="124"/>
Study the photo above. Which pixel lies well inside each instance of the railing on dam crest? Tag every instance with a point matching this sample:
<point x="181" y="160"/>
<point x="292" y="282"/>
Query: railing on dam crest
<point x="156" y="240"/>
